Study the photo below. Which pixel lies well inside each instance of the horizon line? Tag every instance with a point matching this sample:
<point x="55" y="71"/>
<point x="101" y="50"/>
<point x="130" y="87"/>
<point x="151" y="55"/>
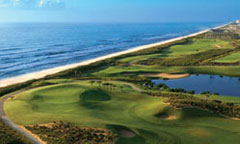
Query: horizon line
<point x="109" y="22"/>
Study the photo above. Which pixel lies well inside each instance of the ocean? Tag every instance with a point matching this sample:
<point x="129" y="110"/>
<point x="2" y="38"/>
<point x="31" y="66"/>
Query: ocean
<point x="31" y="47"/>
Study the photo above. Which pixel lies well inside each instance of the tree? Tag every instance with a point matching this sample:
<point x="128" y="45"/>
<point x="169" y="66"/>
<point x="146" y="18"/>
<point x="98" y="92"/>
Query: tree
<point x="191" y="92"/>
<point x="114" y="87"/>
<point x="92" y="82"/>
<point x="106" y="85"/>
<point x="151" y="85"/>
<point x="207" y="94"/>
<point x="75" y="73"/>
<point x="121" y="87"/>
<point x="99" y="83"/>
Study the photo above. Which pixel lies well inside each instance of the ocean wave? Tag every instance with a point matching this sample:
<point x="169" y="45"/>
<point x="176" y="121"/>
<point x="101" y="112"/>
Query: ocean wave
<point x="22" y="52"/>
<point x="164" y="36"/>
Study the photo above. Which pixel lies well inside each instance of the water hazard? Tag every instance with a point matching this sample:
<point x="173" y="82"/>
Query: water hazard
<point x="227" y="86"/>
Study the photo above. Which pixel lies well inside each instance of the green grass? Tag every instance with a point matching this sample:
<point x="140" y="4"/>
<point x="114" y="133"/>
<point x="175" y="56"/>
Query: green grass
<point x="235" y="57"/>
<point x="141" y="57"/>
<point x="228" y="99"/>
<point x="192" y="47"/>
<point x="176" y="51"/>
<point x="117" y="71"/>
<point x="94" y="106"/>
<point x="196" y="46"/>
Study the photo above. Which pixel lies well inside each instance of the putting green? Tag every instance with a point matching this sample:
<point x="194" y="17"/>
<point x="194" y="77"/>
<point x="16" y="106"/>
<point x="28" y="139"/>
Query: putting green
<point x="235" y="57"/>
<point x="196" y="46"/>
<point x="96" y="105"/>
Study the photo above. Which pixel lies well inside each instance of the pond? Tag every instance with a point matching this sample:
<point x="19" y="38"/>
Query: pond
<point x="227" y="86"/>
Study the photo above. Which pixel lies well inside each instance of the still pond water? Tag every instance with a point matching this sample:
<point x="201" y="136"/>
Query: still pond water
<point x="227" y="86"/>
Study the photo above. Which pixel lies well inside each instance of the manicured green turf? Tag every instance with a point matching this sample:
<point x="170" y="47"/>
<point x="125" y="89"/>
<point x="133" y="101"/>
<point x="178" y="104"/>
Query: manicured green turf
<point x="192" y="47"/>
<point x="118" y="71"/>
<point x="196" y="46"/>
<point x="222" y="98"/>
<point x="137" y="58"/>
<point x="235" y="57"/>
<point x="99" y="106"/>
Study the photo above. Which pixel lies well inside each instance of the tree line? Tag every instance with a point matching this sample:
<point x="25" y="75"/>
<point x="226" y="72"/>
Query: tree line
<point x="179" y="100"/>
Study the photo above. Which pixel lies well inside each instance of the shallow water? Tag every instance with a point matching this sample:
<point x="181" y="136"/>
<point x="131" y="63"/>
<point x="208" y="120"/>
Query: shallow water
<point x="30" y="47"/>
<point x="227" y="86"/>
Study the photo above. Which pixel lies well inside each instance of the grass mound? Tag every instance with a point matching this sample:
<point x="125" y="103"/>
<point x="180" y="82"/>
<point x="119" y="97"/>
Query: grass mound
<point x="94" y="99"/>
<point x="191" y="113"/>
<point x="95" y="95"/>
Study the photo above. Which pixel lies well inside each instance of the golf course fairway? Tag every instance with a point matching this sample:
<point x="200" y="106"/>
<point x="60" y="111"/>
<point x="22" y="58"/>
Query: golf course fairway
<point x="145" y="119"/>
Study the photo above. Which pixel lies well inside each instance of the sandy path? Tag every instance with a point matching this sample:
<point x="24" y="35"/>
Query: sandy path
<point x="33" y="138"/>
<point x="43" y="73"/>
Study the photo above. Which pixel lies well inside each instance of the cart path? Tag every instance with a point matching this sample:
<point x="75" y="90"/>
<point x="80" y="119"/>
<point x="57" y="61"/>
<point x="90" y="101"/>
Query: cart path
<point x="12" y="125"/>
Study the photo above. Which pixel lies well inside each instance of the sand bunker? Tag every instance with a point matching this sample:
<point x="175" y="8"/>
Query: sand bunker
<point x="219" y="46"/>
<point x="166" y="116"/>
<point x="171" y="117"/>
<point x="126" y="133"/>
<point x="169" y="76"/>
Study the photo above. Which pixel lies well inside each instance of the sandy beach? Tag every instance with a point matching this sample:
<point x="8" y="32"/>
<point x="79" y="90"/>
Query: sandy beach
<point x="43" y="73"/>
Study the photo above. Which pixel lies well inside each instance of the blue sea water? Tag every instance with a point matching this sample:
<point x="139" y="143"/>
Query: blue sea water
<point x="30" y="47"/>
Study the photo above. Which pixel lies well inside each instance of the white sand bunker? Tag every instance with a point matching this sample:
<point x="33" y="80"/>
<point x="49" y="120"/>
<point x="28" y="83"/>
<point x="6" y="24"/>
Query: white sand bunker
<point x="169" y="76"/>
<point x="166" y="116"/>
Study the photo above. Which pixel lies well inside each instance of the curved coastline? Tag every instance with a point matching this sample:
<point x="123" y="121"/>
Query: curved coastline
<point x="44" y="73"/>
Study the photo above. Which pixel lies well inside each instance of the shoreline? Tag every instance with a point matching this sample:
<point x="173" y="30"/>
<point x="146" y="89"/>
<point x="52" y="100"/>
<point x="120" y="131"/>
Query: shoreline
<point x="46" y="72"/>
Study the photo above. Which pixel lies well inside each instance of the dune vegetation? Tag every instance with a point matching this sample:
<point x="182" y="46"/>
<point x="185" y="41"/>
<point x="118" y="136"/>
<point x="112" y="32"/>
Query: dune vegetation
<point x="9" y="136"/>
